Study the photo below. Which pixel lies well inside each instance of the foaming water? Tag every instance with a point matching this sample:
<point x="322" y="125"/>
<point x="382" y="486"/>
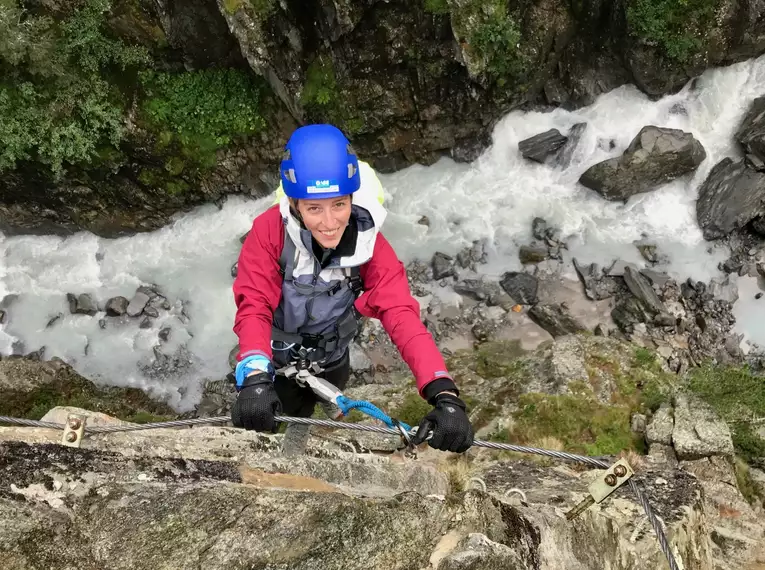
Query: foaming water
<point x="495" y="198"/>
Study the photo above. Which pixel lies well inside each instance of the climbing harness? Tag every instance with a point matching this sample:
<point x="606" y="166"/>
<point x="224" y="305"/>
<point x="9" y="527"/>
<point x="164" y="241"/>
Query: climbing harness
<point x="613" y="477"/>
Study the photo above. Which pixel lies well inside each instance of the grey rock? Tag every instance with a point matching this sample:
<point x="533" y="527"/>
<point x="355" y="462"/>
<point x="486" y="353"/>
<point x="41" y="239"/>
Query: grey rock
<point x="116" y="306"/>
<point x="659" y="429"/>
<point x="82" y="304"/>
<point x="566" y="152"/>
<point x="145" y="323"/>
<point x="699" y="431"/>
<point x="751" y="132"/>
<point x="520" y="286"/>
<point x="656" y="278"/>
<point x="655" y="156"/>
<point x="555" y="319"/>
<point x="638" y="423"/>
<point x="628" y="313"/>
<point x="641" y="289"/>
<point x="596" y="286"/>
<point x="150" y="311"/>
<point x="539" y="228"/>
<point x="442" y="266"/>
<point x="542" y="146"/>
<point x="731" y="197"/>
<point x="532" y="253"/>
<point x="725" y="289"/>
<point x="137" y="304"/>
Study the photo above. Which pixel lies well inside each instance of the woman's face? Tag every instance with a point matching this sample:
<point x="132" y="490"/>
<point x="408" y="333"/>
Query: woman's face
<point x="326" y="218"/>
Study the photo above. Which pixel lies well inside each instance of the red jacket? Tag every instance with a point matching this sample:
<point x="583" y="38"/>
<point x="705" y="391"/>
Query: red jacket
<point x="257" y="292"/>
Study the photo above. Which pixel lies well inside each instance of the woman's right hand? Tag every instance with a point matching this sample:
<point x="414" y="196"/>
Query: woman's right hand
<point x="257" y="404"/>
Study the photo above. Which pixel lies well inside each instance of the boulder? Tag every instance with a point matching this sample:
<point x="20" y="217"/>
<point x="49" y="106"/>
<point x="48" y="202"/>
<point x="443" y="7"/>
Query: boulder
<point x="751" y="132"/>
<point x="641" y="288"/>
<point x="116" y="306"/>
<point x="532" y="253"/>
<point x="555" y="319"/>
<point x="82" y="304"/>
<point x="520" y="286"/>
<point x="731" y="197"/>
<point x="443" y="266"/>
<point x="699" y="431"/>
<point x="542" y="146"/>
<point x="137" y="304"/>
<point x="655" y="156"/>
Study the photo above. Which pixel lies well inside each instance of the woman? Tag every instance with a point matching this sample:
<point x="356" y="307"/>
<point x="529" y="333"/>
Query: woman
<point x="298" y="292"/>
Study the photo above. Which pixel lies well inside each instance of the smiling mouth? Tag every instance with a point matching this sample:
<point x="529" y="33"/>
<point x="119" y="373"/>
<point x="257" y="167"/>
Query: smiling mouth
<point x="328" y="233"/>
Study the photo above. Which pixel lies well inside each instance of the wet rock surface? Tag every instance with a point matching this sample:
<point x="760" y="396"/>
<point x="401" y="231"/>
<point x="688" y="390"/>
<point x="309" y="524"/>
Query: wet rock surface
<point x="656" y="156"/>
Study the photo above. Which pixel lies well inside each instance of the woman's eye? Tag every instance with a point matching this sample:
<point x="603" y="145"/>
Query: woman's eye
<point x="313" y="210"/>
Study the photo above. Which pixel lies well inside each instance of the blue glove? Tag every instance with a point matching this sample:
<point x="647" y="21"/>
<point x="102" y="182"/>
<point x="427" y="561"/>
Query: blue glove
<point x="250" y="364"/>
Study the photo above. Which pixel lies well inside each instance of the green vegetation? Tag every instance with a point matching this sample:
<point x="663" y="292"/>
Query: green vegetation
<point x="437" y="6"/>
<point x="493" y="35"/>
<point x="411" y="410"/>
<point x="201" y="112"/>
<point x="324" y="99"/>
<point x="678" y="27"/>
<point x="263" y="8"/>
<point x="65" y="89"/>
<point x="71" y="389"/>
<point x="738" y="397"/>
<point x="578" y="421"/>
<point x="56" y="105"/>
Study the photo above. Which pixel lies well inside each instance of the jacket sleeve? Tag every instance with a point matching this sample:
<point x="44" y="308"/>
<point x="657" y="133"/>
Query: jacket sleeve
<point x="387" y="297"/>
<point x="257" y="287"/>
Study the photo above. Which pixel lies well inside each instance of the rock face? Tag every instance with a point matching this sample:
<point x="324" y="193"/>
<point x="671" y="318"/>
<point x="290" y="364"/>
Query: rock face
<point x="199" y="506"/>
<point x="732" y="196"/>
<point x="655" y="156"/>
<point x="409" y="81"/>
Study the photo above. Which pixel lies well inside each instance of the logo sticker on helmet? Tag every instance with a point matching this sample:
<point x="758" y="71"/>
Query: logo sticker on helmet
<point x="323" y="186"/>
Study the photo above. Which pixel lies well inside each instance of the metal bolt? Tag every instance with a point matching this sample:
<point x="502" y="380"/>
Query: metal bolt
<point x="75" y="423"/>
<point x="620" y="470"/>
<point x="610" y="480"/>
<point x="71" y="437"/>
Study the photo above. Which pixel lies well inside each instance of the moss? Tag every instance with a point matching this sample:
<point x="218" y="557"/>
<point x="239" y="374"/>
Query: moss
<point x="680" y="28"/>
<point x="326" y="99"/>
<point x="70" y="389"/>
<point x="231" y="6"/>
<point x="493" y="35"/>
<point x="436" y="6"/>
<point x="499" y="360"/>
<point x="411" y="410"/>
<point x="751" y="491"/>
<point x="579" y="422"/>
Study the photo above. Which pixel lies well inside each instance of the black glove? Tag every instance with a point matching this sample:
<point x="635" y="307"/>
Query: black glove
<point x="452" y="430"/>
<point x="257" y="404"/>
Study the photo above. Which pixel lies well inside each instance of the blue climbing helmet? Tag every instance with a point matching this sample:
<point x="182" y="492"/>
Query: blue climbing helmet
<point x="319" y="163"/>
